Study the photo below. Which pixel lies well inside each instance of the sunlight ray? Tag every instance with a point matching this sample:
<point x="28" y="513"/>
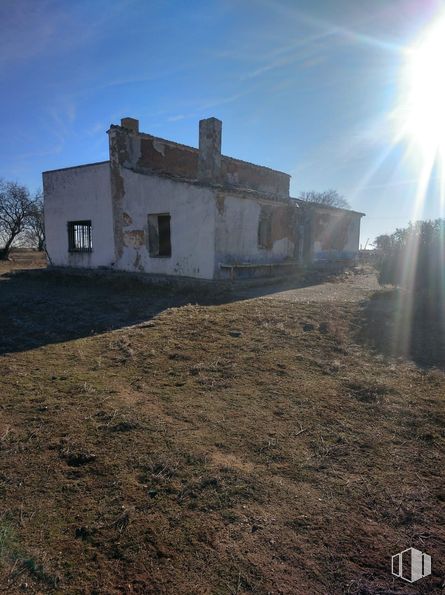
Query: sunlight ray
<point x="404" y="316"/>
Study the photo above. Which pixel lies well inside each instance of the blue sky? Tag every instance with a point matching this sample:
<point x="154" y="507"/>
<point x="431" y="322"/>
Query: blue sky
<point x="307" y="87"/>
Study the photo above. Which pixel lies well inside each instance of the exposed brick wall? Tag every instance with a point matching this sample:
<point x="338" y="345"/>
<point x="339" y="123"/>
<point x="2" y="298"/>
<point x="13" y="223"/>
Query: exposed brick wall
<point x="246" y="175"/>
<point x="176" y="160"/>
<point x="143" y="152"/>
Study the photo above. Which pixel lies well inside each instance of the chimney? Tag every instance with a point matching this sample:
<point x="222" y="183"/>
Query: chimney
<point x="209" y="162"/>
<point x="130" y="124"/>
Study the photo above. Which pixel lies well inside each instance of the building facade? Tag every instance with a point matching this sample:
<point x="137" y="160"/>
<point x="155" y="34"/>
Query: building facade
<point x="160" y="207"/>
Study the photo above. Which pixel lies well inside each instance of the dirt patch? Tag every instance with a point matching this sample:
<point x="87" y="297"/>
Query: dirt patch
<point x="368" y="392"/>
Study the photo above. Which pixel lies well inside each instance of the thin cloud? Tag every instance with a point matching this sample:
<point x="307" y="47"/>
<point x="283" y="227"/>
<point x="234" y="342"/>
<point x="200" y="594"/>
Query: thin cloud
<point x="53" y="150"/>
<point x="306" y="53"/>
<point x="31" y="29"/>
<point x="176" y="118"/>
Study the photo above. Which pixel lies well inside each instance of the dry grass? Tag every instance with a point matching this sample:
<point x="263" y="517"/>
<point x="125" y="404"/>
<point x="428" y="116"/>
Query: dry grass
<point x="23" y="258"/>
<point x="182" y="457"/>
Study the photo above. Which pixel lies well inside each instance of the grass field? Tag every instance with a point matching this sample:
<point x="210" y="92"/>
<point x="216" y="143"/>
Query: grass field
<point x="153" y="442"/>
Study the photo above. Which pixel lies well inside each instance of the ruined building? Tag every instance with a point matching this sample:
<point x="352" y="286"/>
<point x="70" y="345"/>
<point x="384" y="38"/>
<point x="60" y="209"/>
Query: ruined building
<point x="161" y="207"/>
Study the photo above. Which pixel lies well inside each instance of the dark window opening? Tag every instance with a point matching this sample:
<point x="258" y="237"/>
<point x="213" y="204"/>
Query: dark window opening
<point x="159" y="239"/>
<point x="265" y="229"/>
<point x="79" y="236"/>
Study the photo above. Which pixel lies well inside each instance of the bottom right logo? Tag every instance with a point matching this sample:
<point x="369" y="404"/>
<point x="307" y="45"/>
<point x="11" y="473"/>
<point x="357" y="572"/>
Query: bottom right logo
<point x="411" y="565"/>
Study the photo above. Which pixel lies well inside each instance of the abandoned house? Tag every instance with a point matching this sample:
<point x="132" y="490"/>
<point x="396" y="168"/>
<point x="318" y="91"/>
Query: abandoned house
<point x="160" y="207"/>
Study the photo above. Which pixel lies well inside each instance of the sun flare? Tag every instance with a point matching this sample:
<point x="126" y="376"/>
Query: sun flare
<point x="425" y="91"/>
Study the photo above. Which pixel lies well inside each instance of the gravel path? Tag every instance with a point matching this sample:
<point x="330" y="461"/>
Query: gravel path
<point x="353" y="288"/>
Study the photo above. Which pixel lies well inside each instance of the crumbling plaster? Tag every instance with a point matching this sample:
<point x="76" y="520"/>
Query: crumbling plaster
<point x="335" y="234"/>
<point x="192" y="210"/>
<point x="237" y="230"/>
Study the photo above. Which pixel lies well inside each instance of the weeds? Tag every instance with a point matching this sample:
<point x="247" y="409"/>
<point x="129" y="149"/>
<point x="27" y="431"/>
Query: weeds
<point x="8" y="543"/>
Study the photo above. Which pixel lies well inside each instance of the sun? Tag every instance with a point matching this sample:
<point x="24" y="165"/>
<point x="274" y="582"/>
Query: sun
<point x="424" y="91"/>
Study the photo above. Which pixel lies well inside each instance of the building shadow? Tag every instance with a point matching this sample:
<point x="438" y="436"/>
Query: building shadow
<point x="41" y="306"/>
<point x="402" y="324"/>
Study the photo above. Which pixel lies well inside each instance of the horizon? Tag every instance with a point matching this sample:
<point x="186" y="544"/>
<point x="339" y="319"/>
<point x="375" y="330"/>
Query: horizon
<point x="313" y="91"/>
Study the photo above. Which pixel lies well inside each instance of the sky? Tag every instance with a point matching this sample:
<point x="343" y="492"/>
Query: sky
<point x="307" y="87"/>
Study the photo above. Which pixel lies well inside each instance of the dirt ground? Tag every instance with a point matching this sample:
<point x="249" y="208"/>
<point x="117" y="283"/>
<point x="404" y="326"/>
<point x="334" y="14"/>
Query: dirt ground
<point x="23" y="259"/>
<point x="161" y="442"/>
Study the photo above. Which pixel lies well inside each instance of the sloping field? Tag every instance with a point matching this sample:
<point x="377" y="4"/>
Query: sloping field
<point x="148" y="445"/>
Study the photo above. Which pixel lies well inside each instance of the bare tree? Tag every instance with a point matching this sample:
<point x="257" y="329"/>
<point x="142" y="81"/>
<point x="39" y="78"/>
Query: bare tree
<point x="330" y="198"/>
<point x="35" y="227"/>
<point x="15" y="210"/>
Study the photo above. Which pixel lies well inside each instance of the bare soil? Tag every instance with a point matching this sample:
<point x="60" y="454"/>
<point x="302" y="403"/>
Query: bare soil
<point x="160" y="442"/>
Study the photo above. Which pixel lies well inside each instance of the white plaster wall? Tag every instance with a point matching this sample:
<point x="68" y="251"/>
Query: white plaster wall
<point x="76" y="194"/>
<point x="354" y="235"/>
<point x="237" y="234"/>
<point x="350" y="249"/>
<point x="192" y="225"/>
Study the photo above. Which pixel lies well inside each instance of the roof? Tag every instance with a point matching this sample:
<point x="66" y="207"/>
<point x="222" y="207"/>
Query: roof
<point x="48" y="171"/>
<point x="329" y="207"/>
<point x="196" y="150"/>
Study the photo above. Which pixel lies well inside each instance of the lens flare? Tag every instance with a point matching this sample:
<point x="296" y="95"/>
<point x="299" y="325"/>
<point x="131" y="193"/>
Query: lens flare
<point x="420" y="123"/>
<point x="425" y="91"/>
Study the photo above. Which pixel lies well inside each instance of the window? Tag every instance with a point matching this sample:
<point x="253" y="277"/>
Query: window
<point x="79" y="236"/>
<point x="159" y="242"/>
<point x="265" y="229"/>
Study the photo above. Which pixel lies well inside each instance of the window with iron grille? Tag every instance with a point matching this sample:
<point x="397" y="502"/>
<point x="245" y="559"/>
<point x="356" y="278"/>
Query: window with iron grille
<point x="79" y="236"/>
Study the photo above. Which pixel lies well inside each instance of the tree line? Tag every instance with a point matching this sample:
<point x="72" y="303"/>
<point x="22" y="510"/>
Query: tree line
<point x="21" y="218"/>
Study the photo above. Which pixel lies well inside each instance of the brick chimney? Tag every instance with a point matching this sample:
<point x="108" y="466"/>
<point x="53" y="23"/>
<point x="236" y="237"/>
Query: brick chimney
<point x="209" y="162"/>
<point x="130" y="123"/>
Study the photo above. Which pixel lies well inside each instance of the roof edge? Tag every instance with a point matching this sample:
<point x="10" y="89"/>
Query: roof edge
<point x="329" y="207"/>
<point x="48" y="171"/>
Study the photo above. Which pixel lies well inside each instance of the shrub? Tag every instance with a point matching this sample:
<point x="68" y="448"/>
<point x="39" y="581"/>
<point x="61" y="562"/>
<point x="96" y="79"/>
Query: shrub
<point x="414" y="258"/>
